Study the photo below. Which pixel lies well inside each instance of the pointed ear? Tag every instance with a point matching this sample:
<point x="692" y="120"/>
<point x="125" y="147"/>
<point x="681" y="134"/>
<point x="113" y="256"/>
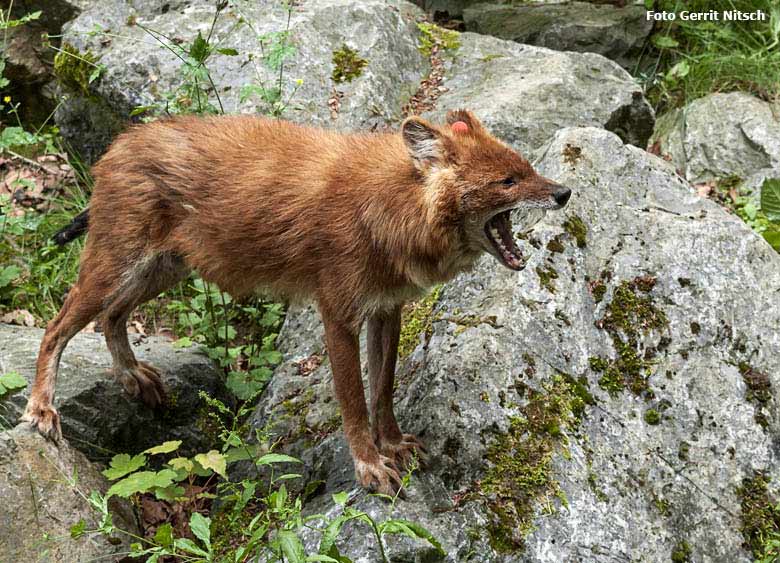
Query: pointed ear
<point x="464" y="115"/>
<point x="423" y="141"/>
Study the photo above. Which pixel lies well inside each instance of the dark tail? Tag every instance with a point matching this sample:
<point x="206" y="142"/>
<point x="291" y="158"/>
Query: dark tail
<point x="74" y="230"/>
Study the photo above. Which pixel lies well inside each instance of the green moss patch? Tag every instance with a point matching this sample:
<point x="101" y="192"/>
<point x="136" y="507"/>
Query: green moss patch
<point x="520" y="478"/>
<point x="681" y="553"/>
<point x="347" y="65"/>
<point x="576" y="227"/>
<point x="547" y="276"/>
<point x="652" y="417"/>
<point x="417" y="319"/>
<point x="555" y="245"/>
<point x="760" y="514"/>
<point x="76" y="70"/>
<point x="432" y="36"/>
<point x="629" y="315"/>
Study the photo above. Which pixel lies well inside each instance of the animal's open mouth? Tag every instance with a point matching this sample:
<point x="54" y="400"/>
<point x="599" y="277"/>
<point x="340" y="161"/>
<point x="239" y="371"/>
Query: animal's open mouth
<point x="499" y="232"/>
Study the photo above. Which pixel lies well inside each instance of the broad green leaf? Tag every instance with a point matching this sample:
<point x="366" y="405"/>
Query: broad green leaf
<point x="164" y="535"/>
<point x="412" y="530"/>
<point x="10" y="382"/>
<point x="8" y="274"/>
<point x="142" y="482"/>
<point x="8" y="23"/>
<point x="96" y="72"/>
<point x="16" y="136"/>
<point x="183" y="342"/>
<point x="328" y="538"/>
<point x="680" y="70"/>
<point x="664" y="41"/>
<point x="750" y="210"/>
<point x="770" y="199"/>
<point x="340" y="498"/>
<point x="244" y="385"/>
<point x="186" y="544"/>
<point x="122" y="464"/>
<point x="322" y="558"/>
<point x="201" y="527"/>
<point x="164" y="448"/>
<point x="288" y="476"/>
<point x="78" y="529"/>
<point x="215" y="461"/>
<point x="291" y="546"/>
<point x="227" y="51"/>
<point x="773" y="238"/>
<point x="170" y="493"/>
<point x="140" y="109"/>
<point x="268" y="459"/>
<point x="241" y="453"/>
<point x="181" y="463"/>
<point x="200" y="49"/>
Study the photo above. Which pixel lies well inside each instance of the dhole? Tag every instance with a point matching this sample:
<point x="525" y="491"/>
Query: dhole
<point x="361" y="223"/>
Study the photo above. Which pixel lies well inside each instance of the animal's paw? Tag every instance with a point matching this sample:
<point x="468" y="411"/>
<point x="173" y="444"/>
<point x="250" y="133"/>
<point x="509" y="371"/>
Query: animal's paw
<point x="143" y="381"/>
<point x="406" y="452"/>
<point x="379" y="475"/>
<point x="45" y="419"/>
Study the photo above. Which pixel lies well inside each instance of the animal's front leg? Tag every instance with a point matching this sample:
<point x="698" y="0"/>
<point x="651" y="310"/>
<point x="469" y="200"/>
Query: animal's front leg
<point x="373" y="470"/>
<point x="383" y="333"/>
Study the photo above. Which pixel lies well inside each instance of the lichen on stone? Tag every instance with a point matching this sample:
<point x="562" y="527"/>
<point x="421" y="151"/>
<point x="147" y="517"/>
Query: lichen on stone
<point x="520" y="478"/>
<point x="547" y="276"/>
<point x="760" y="513"/>
<point x="652" y="417"/>
<point x="759" y="391"/>
<point x="681" y="553"/>
<point x="347" y="65"/>
<point x="576" y="227"/>
<point x="417" y="319"/>
<point x="75" y="70"/>
<point x="555" y="245"/>
<point x="434" y="36"/>
<point x="598" y="289"/>
<point x="630" y="315"/>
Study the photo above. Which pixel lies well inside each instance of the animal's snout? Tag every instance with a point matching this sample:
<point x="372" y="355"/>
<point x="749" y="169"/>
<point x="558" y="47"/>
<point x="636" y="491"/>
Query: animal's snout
<point x="561" y="195"/>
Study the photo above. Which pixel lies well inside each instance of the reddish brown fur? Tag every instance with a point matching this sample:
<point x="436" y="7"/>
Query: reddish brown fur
<point x="358" y="222"/>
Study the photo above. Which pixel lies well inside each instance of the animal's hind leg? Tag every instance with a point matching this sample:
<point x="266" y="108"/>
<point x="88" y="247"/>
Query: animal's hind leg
<point x="146" y="280"/>
<point x="83" y="303"/>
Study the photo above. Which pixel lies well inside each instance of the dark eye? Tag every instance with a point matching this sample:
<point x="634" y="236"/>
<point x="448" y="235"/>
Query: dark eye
<point x="508" y="181"/>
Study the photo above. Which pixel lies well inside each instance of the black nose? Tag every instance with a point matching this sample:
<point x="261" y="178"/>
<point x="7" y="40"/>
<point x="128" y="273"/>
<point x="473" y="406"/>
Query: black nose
<point x="561" y="195"/>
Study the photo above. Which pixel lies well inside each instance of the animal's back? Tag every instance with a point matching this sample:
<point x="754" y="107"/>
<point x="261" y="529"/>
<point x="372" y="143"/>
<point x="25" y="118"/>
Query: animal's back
<point x="223" y="192"/>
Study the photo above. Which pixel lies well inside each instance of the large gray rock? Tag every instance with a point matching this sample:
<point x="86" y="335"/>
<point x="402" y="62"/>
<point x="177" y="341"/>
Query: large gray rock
<point x="722" y="135"/>
<point x="604" y="404"/>
<point x="98" y="417"/>
<point x="41" y="504"/>
<point x="616" y="32"/>
<point x="524" y="94"/>
<point x="29" y="59"/>
<point x="446" y="8"/>
<point x="140" y="71"/>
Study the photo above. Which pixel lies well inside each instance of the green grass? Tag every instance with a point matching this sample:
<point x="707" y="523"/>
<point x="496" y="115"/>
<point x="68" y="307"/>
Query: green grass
<point x="41" y="272"/>
<point x="694" y="58"/>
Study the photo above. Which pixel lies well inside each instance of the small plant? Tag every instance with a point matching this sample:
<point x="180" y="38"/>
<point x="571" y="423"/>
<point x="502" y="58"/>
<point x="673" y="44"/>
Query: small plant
<point x="10" y="383"/>
<point x="347" y="65"/>
<point x="766" y="220"/>
<point x="432" y="36"/>
<point x="695" y="58"/>
<point x="264" y="521"/>
<point x="210" y="317"/>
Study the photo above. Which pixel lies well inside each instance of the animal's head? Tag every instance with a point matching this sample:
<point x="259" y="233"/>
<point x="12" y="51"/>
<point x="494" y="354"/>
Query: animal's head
<point x="476" y="180"/>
